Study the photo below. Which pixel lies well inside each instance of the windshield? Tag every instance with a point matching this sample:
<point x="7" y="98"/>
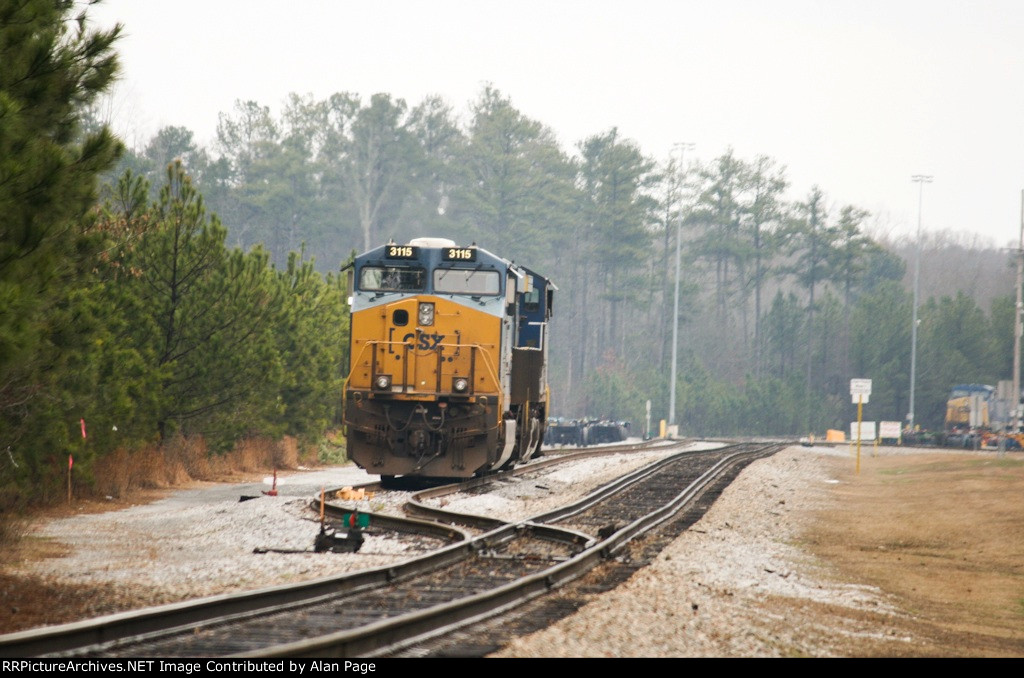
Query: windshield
<point x="391" y="279"/>
<point x="466" y="281"/>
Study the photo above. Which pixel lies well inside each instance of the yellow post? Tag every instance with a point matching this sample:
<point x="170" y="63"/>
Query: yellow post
<point x="662" y="429"/>
<point x="860" y="411"/>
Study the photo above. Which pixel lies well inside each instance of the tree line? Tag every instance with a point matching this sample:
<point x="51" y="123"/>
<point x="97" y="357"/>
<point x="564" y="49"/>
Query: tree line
<point x="173" y="288"/>
<point x="780" y="293"/>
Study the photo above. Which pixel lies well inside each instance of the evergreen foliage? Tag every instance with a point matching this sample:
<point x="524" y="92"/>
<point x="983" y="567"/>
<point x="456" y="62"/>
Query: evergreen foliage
<point x="53" y="67"/>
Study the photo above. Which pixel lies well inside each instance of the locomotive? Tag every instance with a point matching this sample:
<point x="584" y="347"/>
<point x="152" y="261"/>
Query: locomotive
<point x="448" y="360"/>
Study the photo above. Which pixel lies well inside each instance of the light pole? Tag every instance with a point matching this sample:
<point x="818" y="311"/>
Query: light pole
<point x="1015" y="421"/>
<point x="683" y="147"/>
<point x="920" y="180"/>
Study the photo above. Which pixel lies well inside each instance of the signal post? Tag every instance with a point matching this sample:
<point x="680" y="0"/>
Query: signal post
<point x="860" y="390"/>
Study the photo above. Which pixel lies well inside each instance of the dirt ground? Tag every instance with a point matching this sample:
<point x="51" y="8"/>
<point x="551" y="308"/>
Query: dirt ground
<point x="940" y="534"/>
<point x="943" y="535"/>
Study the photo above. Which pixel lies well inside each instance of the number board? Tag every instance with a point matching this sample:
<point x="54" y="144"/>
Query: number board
<point x="402" y="252"/>
<point x="459" y="254"/>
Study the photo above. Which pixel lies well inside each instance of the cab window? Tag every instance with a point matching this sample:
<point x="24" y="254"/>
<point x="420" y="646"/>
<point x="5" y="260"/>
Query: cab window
<point x="391" y="279"/>
<point x="466" y="281"/>
<point x="531" y="300"/>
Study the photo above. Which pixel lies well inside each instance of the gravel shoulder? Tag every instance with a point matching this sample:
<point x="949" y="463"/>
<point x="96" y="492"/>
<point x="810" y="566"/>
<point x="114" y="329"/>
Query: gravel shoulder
<point x="801" y="556"/>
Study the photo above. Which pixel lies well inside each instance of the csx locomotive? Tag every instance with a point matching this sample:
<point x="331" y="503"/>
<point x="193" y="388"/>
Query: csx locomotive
<point x="448" y="360"/>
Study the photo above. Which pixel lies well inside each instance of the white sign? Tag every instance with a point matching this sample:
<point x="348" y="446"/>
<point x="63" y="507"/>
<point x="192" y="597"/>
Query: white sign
<point x="858" y="398"/>
<point x="867" y="430"/>
<point x="889" y="429"/>
<point x="860" y="387"/>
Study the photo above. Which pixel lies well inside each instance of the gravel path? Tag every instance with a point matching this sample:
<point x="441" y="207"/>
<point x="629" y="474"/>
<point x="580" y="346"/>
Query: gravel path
<point x="201" y="542"/>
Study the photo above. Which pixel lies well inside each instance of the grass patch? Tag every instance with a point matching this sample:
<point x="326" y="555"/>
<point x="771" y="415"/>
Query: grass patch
<point x="943" y="537"/>
<point x="14" y="526"/>
<point x="122" y="473"/>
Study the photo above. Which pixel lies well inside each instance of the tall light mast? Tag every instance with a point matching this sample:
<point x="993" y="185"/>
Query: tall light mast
<point x="1018" y="329"/>
<point x="920" y="180"/>
<point x="683" y="147"/>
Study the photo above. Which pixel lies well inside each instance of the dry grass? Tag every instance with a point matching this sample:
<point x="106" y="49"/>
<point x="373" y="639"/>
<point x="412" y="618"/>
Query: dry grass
<point x="190" y="455"/>
<point x="186" y="459"/>
<point x="14" y="524"/>
<point x="944" y="535"/>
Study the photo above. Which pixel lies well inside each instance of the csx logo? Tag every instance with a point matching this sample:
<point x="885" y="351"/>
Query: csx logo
<point x="427" y="342"/>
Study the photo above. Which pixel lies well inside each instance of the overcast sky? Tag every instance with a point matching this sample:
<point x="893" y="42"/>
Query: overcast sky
<point x="854" y="96"/>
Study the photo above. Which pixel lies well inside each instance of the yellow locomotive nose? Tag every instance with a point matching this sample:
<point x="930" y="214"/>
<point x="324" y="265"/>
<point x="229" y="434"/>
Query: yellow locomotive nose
<point x="439" y="334"/>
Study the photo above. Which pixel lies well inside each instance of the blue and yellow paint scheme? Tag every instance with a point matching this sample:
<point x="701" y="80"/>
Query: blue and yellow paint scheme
<point x="448" y="360"/>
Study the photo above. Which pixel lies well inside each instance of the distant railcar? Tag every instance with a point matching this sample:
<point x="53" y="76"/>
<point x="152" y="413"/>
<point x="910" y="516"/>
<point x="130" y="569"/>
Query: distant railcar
<point x="448" y="364"/>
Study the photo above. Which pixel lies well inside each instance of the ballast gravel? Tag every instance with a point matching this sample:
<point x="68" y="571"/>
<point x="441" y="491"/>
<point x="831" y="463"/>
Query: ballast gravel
<point x="705" y="595"/>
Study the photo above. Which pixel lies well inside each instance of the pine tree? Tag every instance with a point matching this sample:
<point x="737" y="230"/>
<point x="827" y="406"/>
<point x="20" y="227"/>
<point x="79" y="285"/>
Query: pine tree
<point x="52" y="67"/>
<point x="211" y="311"/>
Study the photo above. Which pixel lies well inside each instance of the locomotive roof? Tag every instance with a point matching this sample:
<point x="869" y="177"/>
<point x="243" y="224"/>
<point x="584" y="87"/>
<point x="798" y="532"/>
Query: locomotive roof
<point x="379" y="253"/>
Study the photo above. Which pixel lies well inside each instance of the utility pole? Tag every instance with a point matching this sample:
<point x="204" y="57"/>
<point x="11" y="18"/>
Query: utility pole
<point x="682" y="146"/>
<point x="1018" y="329"/>
<point x="920" y="180"/>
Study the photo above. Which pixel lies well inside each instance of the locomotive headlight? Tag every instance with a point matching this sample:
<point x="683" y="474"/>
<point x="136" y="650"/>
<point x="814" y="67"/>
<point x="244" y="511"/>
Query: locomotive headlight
<point x="382" y="382"/>
<point x="460" y="384"/>
<point x="426" y="314"/>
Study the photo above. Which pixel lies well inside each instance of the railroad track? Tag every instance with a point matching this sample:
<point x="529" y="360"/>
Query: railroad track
<point x="491" y="635"/>
<point x="551" y="457"/>
<point x="387" y="610"/>
<point x="439" y="523"/>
